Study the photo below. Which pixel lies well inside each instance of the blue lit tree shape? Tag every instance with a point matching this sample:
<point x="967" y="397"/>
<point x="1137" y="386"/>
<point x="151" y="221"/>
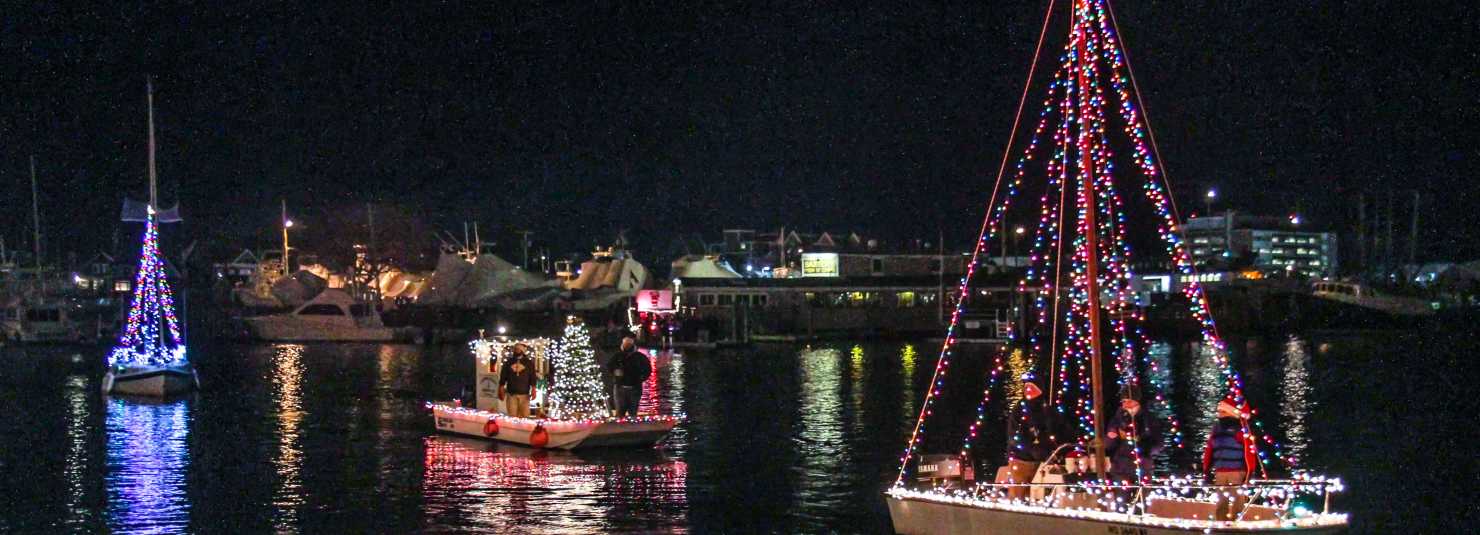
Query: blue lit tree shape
<point x="152" y="337"/>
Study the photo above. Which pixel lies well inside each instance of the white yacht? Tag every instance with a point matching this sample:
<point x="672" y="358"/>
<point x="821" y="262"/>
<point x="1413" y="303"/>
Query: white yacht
<point x="1356" y="294"/>
<point x="331" y="316"/>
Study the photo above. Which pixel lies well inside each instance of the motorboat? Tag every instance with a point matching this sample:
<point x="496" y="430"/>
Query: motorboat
<point x="1352" y="293"/>
<point x="486" y="419"/>
<point x="331" y="316"/>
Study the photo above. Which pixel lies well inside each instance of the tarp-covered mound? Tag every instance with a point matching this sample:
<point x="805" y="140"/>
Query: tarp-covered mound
<point x="460" y="283"/>
<point x="298" y="288"/>
<point x="703" y="267"/>
<point x="623" y="274"/>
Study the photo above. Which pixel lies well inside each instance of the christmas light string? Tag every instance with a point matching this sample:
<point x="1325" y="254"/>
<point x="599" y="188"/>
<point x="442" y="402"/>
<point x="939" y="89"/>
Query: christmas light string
<point x="152" y="334"/>
<point x="1126" y="340"/>
<point x="577" y="390"/>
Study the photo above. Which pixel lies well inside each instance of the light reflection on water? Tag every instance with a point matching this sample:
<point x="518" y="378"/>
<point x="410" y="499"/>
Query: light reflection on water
<point x="779" y="439"/>
<point x="822" y="428"/>
<point x="287" y="398"/>
<point x="1208" y="386"/>
<point x="476" y="485"/>
<point x="1295" y="394"/>
<point x="148" y="454"/>
<point x="76" y="469"/>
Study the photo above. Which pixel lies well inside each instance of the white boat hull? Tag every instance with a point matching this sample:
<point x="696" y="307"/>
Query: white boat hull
<point x="561" y="434"/>
<point x="151" y="381"/>
<point x="285" y="329"/>
<point x="912" y="516"/>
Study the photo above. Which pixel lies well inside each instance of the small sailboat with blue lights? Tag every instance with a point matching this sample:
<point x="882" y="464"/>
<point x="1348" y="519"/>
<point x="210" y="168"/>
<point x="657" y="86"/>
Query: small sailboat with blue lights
<point x="150" y="359"/>
<point x="1082" y="311"/>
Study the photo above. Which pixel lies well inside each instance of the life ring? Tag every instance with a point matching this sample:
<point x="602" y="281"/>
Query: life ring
<point x="539" y="437"/>
<point x="490" y="428"/>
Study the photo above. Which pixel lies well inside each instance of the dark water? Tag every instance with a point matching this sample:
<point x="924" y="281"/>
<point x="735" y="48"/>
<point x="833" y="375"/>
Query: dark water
<point x="334" y="438"/>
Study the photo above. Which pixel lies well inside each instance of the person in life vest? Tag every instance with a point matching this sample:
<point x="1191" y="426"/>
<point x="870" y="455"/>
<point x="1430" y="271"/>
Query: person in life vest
<point x="1133" y="438"/>
<point x="1030" y="437"/>
<point x="1229" y="456"/>
<point x="516" y="383"/>
<point x="629" y="369"/>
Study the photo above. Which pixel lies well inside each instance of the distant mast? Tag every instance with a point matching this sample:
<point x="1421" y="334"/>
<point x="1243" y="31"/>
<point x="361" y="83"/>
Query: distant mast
<point x="36" y="225"/>
<point x="153" y="190"/>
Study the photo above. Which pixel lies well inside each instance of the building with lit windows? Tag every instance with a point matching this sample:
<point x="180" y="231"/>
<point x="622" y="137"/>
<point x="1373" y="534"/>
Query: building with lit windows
<point x="1271" y="245"/>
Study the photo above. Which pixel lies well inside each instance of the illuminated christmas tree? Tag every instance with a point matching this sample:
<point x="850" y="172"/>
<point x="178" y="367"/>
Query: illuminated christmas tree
<point x="577" y="391"/>
<point x="152" y="337"/>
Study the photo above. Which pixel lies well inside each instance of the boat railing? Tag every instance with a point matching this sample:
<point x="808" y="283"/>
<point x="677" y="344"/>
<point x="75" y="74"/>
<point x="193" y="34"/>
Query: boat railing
<point x="1276" y="498"/>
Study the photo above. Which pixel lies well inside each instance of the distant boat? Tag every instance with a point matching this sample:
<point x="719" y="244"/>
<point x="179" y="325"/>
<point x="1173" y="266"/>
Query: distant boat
<point x="331" y="316"/>
<point x="50" y="321"/>
<point x="1352" y="293"/>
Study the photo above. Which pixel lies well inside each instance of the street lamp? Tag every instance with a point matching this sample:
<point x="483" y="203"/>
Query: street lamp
<point x="287" y="224"/>
<point x="1209" y="198"/>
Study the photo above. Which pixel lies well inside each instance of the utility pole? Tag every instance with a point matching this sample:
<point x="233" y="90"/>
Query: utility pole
<point x="1413" y="233"/>
<point x="524" y="243"/>
<point x="1387" y="245"/>
<point x="36" y="225"/>
<point x="1362" y="235"/>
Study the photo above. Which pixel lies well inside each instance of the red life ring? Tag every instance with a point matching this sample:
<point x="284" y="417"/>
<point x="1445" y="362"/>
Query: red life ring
<point x="539" y="437"/>
<point x="491" y="427"/>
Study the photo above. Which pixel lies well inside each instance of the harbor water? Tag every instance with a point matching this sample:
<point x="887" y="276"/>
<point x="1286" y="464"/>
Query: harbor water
<point x="335" y="438"/>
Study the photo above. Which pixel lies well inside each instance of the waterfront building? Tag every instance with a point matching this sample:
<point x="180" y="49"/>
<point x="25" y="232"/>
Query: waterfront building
<point x="1236" y="242"/>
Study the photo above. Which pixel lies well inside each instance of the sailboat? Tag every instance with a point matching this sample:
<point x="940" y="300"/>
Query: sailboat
<point x="1082" y="312"/>
<point x="149" y="359"/>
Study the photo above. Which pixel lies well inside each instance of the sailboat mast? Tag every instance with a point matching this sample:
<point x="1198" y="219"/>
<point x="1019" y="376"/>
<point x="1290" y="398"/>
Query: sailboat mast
<point x="1091" y="243"/>
<point x="153" y="191"/>
<point x="36" y="224"/>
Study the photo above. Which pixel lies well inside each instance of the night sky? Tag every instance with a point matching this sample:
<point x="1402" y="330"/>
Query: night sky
<point x="576" y="120"/>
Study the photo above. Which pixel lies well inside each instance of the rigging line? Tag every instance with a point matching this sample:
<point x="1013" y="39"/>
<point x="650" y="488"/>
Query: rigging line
<point x="1058" y="278"/>
<point x="986" y="222"/>
<point x="1151" y="133"/>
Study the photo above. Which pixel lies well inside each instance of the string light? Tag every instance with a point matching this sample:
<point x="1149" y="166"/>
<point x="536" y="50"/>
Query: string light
<point x="152" y="336"/>
<point x="577" y="390"/>
<point x="1080" y="112"/>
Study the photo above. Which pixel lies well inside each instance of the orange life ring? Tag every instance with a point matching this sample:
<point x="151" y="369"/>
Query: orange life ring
<point x="539" y="437"/>
<point x="490" y="428"/>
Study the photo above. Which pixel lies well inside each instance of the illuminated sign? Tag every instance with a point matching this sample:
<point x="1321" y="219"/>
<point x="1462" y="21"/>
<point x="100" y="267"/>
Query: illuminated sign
<point x="654" y="300"/>
<point x="819" y="264"/>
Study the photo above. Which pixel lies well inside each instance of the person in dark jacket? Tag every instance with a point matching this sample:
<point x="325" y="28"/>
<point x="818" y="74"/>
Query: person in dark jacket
<point x="516" y="382"/>
<point x="629" y="368"/>
<point x="1030" y="437"/>
<point x="1132" y="438"/>
<point x="1230" y="455"/>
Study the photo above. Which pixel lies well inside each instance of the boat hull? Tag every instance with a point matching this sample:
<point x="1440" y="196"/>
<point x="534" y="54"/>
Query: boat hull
<point x="912" y="516"/>
<point x="560" y="434"/>
<point x="150" y="381"/>
<point x="275" y="329"/>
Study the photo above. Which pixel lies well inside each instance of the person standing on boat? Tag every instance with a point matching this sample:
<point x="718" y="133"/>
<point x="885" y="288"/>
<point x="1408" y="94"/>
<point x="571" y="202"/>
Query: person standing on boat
<point x="1030" y="438"/>
<point x="629" y="369"/>
<point x="1230" y="456"/>
<point x="516" y="382"/>
<point x="1133" y="438"/>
